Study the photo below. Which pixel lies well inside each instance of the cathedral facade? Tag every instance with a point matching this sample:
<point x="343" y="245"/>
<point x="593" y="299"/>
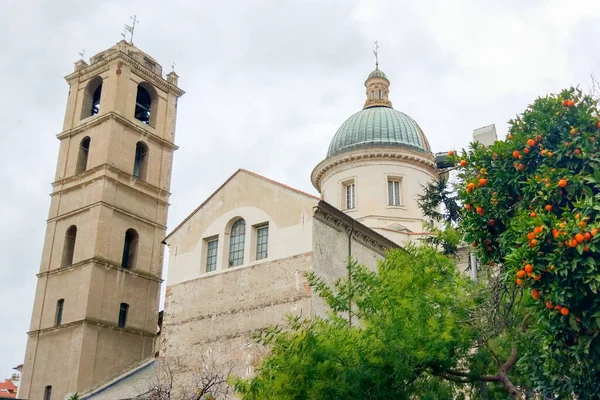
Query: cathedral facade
<point x="237" y="263"/>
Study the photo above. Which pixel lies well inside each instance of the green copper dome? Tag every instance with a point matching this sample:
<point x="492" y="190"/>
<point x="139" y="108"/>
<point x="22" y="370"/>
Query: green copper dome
<point x="377" y="73"/>
<point x="378" y="127"/>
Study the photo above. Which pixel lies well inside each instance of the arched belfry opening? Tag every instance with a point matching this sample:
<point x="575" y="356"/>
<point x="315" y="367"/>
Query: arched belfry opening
<point x="82" y="155"/>
<point x="140" y="165"/>
<point x="146" y="101"/>
<point x="130" y="248"/>
<point x="69" y="246"/>
<point x="91" y="98"/>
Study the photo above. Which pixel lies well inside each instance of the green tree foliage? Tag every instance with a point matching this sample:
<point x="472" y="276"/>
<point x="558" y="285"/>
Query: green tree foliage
<point x="413" y="334"/>
<point x="532" y="204"/>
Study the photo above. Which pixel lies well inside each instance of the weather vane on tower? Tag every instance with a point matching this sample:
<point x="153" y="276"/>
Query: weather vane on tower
<point x="376" y="52"/>
<point x="130" y="29"/>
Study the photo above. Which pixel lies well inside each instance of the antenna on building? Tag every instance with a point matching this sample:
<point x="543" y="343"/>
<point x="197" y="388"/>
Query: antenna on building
<point x="130" y="29"/>
<point x="173" y="64"/>
<point x="376" y="52"/>
<point x="82" y="53"/>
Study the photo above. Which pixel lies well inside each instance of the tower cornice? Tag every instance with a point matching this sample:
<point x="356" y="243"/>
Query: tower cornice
<point x="159" y="81"/>
<point x="96" y="120"/>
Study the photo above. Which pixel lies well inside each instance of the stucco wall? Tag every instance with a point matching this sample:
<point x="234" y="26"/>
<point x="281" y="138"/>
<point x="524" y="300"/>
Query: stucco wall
<point x="256" y="200"/>
<point x="332" y="247"/>
<point x="217" y="313"/>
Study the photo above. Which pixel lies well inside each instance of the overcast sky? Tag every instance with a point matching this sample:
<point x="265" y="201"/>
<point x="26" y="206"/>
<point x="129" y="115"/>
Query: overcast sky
<point x="268" y="83"/>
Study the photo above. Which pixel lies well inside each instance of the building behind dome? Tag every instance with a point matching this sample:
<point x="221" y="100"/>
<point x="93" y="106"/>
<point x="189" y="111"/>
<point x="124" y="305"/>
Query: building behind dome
<point x="376" y="164"/>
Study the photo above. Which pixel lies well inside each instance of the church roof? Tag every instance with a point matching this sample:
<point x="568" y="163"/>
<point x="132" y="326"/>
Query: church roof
<point x="378" y="127"/>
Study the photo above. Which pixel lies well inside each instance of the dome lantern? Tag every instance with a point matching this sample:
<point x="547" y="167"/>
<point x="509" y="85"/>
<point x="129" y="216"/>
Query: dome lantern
<point x="378" y="89"/>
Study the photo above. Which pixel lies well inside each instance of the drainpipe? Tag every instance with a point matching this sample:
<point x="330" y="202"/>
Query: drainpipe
<point x="350" y="275"/>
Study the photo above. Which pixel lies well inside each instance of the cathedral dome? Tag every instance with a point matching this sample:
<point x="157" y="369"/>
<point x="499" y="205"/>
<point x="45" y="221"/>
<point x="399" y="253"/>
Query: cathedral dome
<point x="378" y="127"/>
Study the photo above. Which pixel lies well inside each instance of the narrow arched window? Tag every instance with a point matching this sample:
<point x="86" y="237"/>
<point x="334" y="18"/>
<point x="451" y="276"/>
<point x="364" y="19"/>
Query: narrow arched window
<point x="237" y="241"/>
<point x="130" y="249"/>
<point x="380" y="94"/>
<point x="123" y="311"/>
<point x="372" y="95"/>
<point x="91" y="98"/>
<point x="59" y="312"/>
<point x="48" y="393"/>
<point x="69" y="246"/>
<point x="146" y="102"/>
<point x="82" y="156"/>
<point x="140" y="165"/>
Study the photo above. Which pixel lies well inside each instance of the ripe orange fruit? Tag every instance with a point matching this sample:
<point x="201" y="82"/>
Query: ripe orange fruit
<point x="474" y="244"/>
<point x="451" y="153"/>
<point x="573" y="131"/>
<point x="520" y="273"/>
<point x="482" y="182"/>
<point x="562" y="183"/>
<point x="594" y="231"/>
<point x="538" y="229"/>
<point x="539" y="138"/>
<point x="479" y="210"/>
<point x="491" y="222"/>
<point x="598" y="125"/>
<point x="521" y="167"/>
<point x="549" y="305"/>
<point x="526" y="150"/>
<point x="471" y="186"/>
<point x="579" y="238"/>
<point x="531" y="142"/>
<point x="537" y="277"/>
<point x="535" y="294"/>
<point x="463" y="163"/>
<point x="570" y="103"/>
<point x="528" y="268"/>
<point x="587" y="236"/>
<point x="565" y="103"/>
<point x="468" y="206"/>
<point x="552" y="268"/>
<point x="577" y="151"/>
<point x="548" y="207"/>
<point x="531" y="235"/>
<point x="574" y="243"/>
<point x="564" y="311"/>
<point x="533" y="243"/>
<point x="532" y="215"/>
<point x="557" y="307"/>
<point x="516" y="154"/>
<point x="582" y="224"/>
<point x="577" y="216"/>
<point x="519" y="282"/>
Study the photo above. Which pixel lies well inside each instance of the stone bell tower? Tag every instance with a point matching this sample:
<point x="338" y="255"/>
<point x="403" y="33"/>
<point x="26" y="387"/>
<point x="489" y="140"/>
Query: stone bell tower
<point x="96" y="303"/>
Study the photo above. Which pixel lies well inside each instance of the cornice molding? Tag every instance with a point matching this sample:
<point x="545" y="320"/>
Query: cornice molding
<point x="112" y="207"/>
<point x="152" y="77"/>
<point x="388" y="154"/>
<point x="112" y="168"/>
<point x="95" y="322"/>
<point x="338" y="220"/>
<point x="97" y="120"/>
<point x="99" y="262"/>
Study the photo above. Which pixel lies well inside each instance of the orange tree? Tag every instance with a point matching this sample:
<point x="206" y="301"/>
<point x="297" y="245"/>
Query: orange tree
<point x="531" y="207"/>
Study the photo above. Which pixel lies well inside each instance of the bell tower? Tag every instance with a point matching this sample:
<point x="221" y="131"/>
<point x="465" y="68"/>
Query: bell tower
<point x="96" y="304"/>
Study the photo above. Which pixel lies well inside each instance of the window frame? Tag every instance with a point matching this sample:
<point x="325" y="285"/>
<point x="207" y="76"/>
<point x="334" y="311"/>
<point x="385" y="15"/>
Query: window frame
<point x="207" y="259"/>
<point x="236" y="257"/>
<point x="348" y="202"/>
<point x="262" y="247"/>
<point x="391" y="179"/>
<point x="123" y="315"/>
<point x="48" y="392"/>
<point x="60" y="305"/>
